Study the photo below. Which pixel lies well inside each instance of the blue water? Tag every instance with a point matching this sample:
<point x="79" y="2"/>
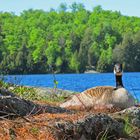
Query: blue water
<point x="78" y="82"/>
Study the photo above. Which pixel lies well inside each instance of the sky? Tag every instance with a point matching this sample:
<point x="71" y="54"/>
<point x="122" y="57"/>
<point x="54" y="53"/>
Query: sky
<point x="126" y="7"/>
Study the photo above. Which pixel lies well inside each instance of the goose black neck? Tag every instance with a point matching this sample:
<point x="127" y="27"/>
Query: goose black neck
<point x="119" y="81"/>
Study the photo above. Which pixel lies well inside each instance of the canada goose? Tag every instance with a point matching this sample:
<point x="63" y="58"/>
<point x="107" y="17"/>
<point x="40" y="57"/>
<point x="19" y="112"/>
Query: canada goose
<point x="103" y="95"/>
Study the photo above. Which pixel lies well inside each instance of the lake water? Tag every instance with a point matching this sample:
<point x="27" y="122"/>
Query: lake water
<point x="78" y="82"/>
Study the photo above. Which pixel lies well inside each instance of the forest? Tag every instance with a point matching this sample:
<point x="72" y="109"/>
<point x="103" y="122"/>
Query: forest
<point x="70" y="39"/>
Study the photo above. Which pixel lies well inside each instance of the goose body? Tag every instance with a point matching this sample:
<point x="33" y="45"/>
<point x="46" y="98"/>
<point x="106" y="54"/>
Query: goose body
<point x="103" y="95"/>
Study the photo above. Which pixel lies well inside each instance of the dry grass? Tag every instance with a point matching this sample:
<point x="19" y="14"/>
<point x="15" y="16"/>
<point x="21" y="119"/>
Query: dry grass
<point x="40" y="127"/>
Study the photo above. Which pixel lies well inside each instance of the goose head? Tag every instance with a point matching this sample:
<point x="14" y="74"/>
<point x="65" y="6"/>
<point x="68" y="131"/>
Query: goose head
<point x="118" y="71"/>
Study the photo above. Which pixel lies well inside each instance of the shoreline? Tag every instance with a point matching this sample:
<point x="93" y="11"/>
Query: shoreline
<point x="48" y="91"/>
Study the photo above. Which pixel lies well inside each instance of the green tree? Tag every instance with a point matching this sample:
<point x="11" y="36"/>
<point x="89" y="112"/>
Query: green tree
<point x="128" y="52"/>
<point x="63" y="7"/>
<point x="93" y="54"/>
<point x="105" y="61"/>
<point x="21" y="59"/>
<point x="77" y="7"/>
<point x="98" y="38"/>
<point x="52" y="52"/>
<point x="74" y="62"/>
<point x="84" y="46"/>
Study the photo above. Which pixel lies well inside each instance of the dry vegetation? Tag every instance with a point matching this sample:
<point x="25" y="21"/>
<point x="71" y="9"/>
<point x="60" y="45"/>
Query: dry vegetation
<point x="40" y="127"/>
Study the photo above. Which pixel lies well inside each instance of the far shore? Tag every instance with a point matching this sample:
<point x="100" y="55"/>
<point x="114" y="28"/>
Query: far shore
<point x="91" y="71"/>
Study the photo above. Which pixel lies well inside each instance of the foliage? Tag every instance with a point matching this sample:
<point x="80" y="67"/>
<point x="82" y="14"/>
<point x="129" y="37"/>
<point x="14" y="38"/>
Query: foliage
<point x="128" y="128"/>
<point x="128" y="52"/>
<point x="30" y="93"/>
<point x="69" y="40"/>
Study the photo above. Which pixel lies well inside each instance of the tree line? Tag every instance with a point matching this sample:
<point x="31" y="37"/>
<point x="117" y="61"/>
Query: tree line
<point x="68" y="41"/>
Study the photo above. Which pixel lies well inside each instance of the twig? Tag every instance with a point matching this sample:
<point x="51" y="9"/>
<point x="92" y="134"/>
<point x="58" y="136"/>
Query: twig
<point x="4" y="117"/>
<point x="136" y="129"/>
<point x="102" y="132"/>
<point x="19" y="114"/>
<point x="31" y="111"/>
<point x="6" y="113"/>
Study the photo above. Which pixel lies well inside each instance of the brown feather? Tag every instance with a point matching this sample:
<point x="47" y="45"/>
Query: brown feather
<point x="101" y="95"/>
